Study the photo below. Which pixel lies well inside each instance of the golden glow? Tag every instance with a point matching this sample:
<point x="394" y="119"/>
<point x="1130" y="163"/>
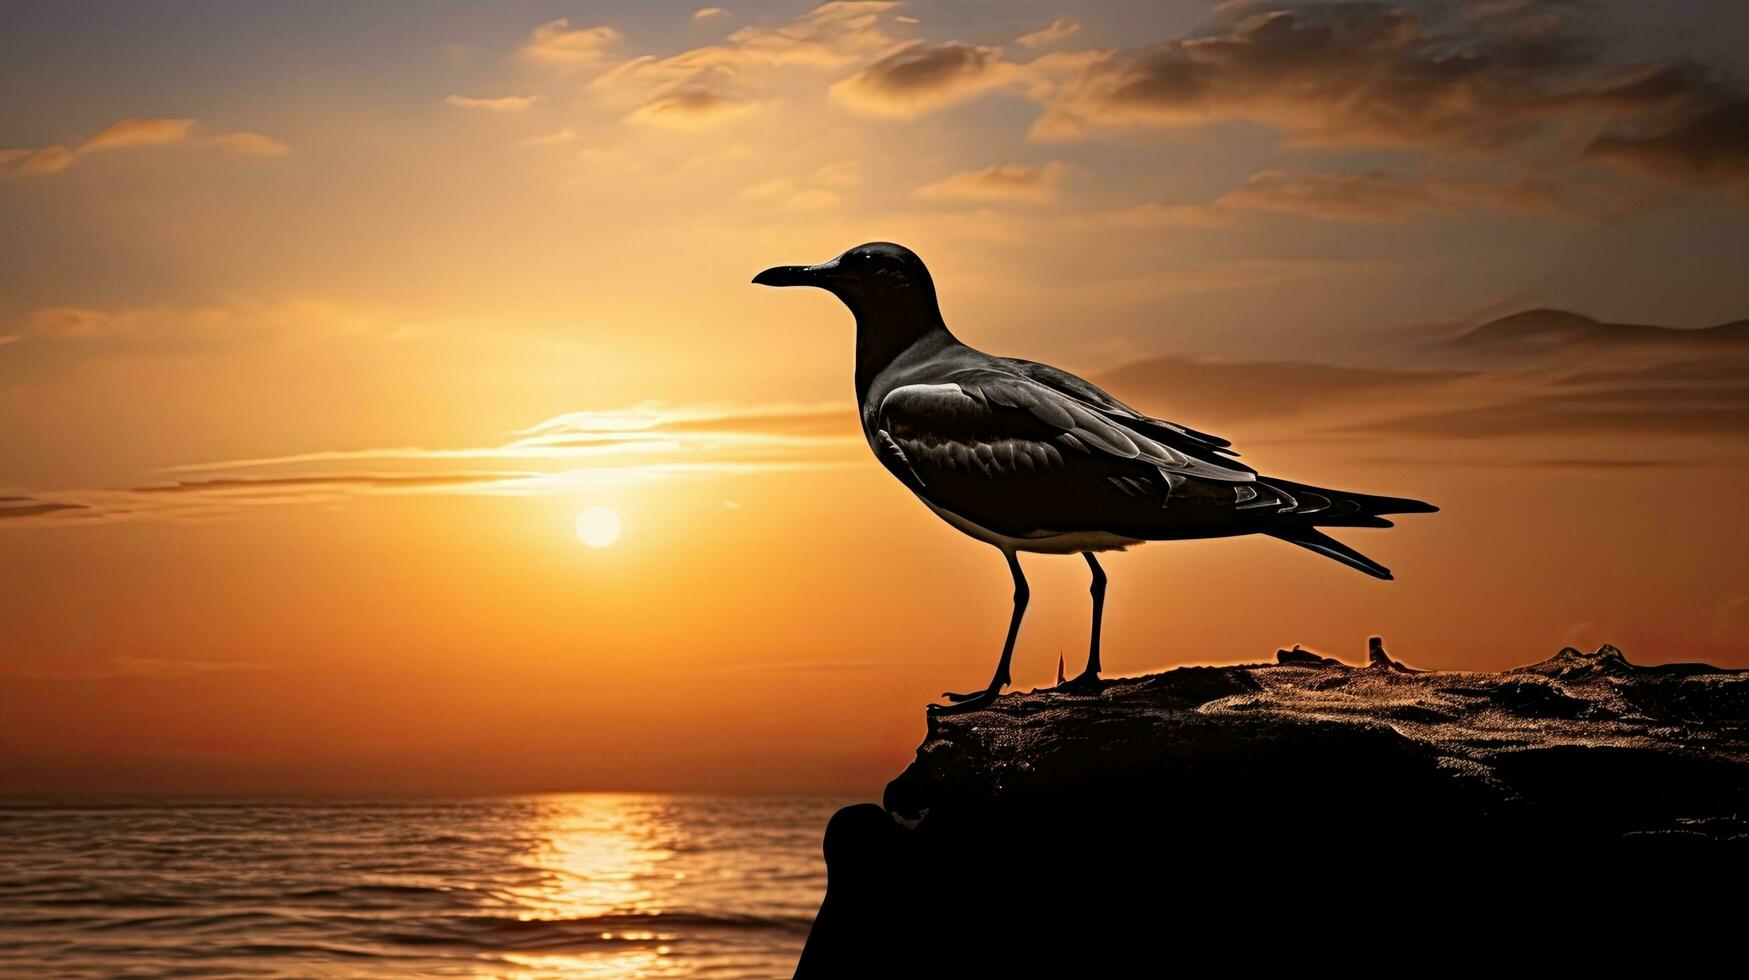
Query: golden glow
<point x="291" y="456"/>
<point x="598" y="526"/>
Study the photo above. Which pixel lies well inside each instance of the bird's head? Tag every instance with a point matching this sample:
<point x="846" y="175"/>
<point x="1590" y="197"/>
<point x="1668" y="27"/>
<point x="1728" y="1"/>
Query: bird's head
<point x="875" y="277"/>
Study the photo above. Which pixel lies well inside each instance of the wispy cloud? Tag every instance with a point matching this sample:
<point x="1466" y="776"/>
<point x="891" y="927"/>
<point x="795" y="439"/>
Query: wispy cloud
<point x="246" y="144"/>
<point x="95" y="330"/>
<point x="690" y="108"/>
<point x="1003" y="182"/>
<point x="556" y="44"/>
<point x="1058" y="31"/>
<point x="126" y="667"/>
<point x="1376" y="196"/>
<point x="1542" y="387"/>
<point x="638" y="443"/>
<point x="819" y="190"/>
<point x="923" y="78"/>
<point x="136" y="133"/>
<point x="1708" y="147"/>
<point x="1458" y="80"/>
<point x="719" y="82"/>
<point x="1546" y="389"/>
<point x="502" y="103"/>
<point x="18" y="508"/>
<point x="35" y="162"/>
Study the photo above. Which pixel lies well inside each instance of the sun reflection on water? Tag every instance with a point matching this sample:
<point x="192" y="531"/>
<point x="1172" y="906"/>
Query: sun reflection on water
<point x="600" y="854"/>
<point x="586" y="885"/>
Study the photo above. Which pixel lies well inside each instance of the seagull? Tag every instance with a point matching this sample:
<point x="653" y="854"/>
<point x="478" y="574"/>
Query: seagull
<point x="1030" y="458"/>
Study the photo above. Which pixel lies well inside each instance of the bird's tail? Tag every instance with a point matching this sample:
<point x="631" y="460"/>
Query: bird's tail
<point x="1313" y="539"/>
<point x="1316" y="507"/>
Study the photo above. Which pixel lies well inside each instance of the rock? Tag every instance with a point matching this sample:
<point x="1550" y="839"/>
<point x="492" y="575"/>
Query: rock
<point x="1197" y="795"/>
<point x="1377" y="657"/>
<point x="1305" y="657"/>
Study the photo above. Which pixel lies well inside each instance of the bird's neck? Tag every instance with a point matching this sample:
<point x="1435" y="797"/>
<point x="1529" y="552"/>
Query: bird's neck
<point x="882" y="336"/>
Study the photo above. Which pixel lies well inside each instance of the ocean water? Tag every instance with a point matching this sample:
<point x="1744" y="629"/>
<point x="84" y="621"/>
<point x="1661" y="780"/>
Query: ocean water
<point x="587" y="885"/>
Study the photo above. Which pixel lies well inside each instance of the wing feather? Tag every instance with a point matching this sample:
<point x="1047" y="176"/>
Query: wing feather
<point x="1065" y="420"/>
<point x="1182" y="437"/>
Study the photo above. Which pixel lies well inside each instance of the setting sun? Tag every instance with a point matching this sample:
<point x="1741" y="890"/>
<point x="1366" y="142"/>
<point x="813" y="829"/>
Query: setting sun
<point x="598" y="526"/>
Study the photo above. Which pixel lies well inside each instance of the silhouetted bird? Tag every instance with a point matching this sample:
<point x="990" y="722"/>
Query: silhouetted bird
<point x="1031" y="458"/>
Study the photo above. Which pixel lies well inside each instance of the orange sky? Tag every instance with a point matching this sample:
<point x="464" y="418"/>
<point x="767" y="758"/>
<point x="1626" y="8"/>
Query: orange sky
<point x="313" y="348"/>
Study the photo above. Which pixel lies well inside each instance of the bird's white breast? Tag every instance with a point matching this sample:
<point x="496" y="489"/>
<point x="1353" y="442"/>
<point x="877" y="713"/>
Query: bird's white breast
<point x="1043" y="542"/>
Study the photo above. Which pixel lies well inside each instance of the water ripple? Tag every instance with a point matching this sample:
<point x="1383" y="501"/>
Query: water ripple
<point x="580" y="885"/>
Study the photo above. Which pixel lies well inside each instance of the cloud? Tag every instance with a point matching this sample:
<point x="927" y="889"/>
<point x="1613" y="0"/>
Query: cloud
<point x="1709" y="148"/>
<point x="1060" y="30"/>
<point x="1611" y="413"/>
<point x="96" y="329"/>
<point x="829" y="36"/>
<point x="14" y="508"/>
<point x="1378" y="196"/>
<point x="556" y="44"/>
<point x="1602" y="352"/>
<point x="400" y="481"/>
<point x="1579" y="394"/>
<point x="555" y="138"/>
<point x="812" y="199"/>
<point x="138" y="132"/>
<point x="35" y="163"/>
<point x="1444" y="78"/>
<point x="716" y="82"/>
<point x="1570" y="397"/>
<point x="1003" y="182"/>
<point x="134" y="133"/>
<point x="248" y="145"/>
<point x="1240" y="391"/>
<point x="124" y="667"/>
<point x="503" y="103"/>
<point x="839" y="174"/>
<point x="637" y="443"/>
<point x="709" y="13"/>
<point x="819" y="191"/>
<point x="1165" y="215"/>
<point x="690" y="109"/>
<point x="922" y="78"/>
<point x="743" y="432"/>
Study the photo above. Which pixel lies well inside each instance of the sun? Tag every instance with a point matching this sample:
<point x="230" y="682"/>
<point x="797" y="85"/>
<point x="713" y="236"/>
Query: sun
<point x="598" y="526"/>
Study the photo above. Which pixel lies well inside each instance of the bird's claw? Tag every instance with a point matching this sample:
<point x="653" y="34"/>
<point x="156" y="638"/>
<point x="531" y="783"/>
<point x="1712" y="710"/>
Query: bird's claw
<point x="1087" y="682"/>
<point x="965" y="702"/>
<point x="994" y="689"/>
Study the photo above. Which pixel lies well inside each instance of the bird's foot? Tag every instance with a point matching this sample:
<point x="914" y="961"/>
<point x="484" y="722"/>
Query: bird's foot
<point x="1087" y="682"/>
<point x="995" y="688"/>
<point x="966" y="702"/>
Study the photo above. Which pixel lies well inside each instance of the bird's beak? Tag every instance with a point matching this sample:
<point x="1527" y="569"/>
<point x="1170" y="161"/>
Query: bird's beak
<point x="822" y="275"/>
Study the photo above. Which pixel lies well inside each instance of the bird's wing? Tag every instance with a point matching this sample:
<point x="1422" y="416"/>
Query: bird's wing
<point x="1201" y="445"/>
<point x="1017" y="455"/>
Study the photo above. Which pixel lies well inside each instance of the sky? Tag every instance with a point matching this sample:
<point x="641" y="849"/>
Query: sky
<point x="321" y="323"/>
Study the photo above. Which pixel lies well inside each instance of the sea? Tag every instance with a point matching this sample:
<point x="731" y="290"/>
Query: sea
<point x="584" y="885"/>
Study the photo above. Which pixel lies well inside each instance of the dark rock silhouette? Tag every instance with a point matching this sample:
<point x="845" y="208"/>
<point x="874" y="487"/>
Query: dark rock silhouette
<point x="1191" y="801"/>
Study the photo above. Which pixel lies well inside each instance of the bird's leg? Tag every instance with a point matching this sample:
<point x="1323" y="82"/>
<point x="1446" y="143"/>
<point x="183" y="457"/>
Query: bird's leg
<point x="1089" y="678"/>
<point x="981" y="699"/>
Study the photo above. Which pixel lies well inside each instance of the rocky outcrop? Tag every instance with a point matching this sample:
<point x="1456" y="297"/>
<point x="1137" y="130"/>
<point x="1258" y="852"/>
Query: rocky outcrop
<point x="1190" y="795"/>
